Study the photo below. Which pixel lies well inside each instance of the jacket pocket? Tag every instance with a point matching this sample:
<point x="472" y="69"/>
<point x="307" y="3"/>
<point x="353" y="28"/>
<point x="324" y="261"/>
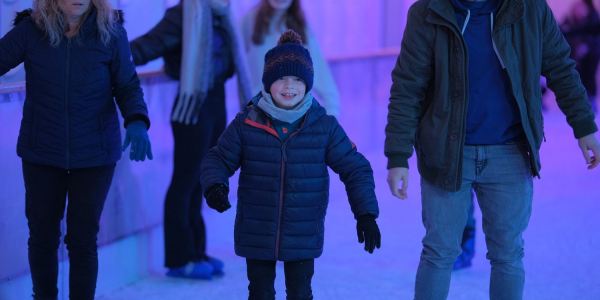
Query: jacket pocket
<point x="425" y="120"/>
<point x="102" y="132"/>
<point x="430" y="141"/>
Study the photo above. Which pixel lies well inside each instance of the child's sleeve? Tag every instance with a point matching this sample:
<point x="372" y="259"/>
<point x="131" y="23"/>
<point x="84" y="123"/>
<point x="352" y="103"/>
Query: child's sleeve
<point x="354" y="170"/>
<point x="224" y="159"/>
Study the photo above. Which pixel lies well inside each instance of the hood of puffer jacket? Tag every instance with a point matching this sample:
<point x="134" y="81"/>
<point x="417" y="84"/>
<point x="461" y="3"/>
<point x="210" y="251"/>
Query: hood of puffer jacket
<point x="21" y="15"/>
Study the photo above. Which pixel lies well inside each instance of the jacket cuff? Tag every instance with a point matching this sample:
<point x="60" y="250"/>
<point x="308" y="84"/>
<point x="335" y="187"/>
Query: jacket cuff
<point x="137" y="117"/>
<point x="397" y="161"/>
<point x="584" y="127"/>
<point x="367" y="214"/>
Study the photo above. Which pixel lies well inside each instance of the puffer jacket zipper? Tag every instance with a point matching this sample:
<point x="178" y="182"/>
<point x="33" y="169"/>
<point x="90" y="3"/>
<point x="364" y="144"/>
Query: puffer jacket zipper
<point x="67" y="143"/>
<point x="270" y="130"/>
<point x="281" y="186"/>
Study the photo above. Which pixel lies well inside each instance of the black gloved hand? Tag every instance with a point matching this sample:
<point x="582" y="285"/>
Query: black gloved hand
<point x="368" y="232"/>
<point x="216" y="197"/>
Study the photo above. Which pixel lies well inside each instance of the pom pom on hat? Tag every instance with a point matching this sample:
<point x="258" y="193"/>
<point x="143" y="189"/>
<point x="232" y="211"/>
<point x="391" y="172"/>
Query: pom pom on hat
<point x="290" y="36"/>
<point x="288" y="58"/>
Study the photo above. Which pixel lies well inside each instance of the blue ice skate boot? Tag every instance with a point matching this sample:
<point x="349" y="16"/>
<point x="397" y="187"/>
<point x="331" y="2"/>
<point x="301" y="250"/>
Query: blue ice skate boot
<point x="217" y="266"/>
<point x="193" y="270"/>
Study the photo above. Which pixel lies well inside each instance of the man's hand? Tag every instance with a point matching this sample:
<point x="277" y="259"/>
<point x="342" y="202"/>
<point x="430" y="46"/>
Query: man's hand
<point x="590" y="143"/>
<point x="394" y="176"/>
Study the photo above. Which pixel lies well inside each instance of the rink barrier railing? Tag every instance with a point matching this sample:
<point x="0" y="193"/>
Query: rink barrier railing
<point x="149" y="77"/>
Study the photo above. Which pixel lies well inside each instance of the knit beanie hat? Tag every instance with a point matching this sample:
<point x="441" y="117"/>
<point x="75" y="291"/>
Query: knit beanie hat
<point x="288" y="58"/>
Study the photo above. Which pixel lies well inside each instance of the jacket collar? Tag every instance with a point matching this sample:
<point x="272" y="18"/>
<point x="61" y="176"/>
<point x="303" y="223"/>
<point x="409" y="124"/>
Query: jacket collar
<point x="488" y="7"/>
<point x="510" y="11"/>
<point x="89" y="25"/>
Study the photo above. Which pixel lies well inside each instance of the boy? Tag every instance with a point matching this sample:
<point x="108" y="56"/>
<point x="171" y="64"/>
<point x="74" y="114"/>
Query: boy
<point x="283" y="142"/>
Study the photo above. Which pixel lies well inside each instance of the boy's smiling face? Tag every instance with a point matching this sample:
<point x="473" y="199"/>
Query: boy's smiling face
<point x="288" y="91"/>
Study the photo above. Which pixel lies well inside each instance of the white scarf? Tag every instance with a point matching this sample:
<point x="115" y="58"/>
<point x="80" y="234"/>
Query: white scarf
<point x="196" y="76"/>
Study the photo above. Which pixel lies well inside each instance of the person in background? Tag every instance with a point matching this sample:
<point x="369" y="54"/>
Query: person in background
<point x="284" y="143"/>
<point x="77" y="63"/>
<point x="201" y="49"/>
<point x="261" y="28"/>
<point x="581" y="28"/>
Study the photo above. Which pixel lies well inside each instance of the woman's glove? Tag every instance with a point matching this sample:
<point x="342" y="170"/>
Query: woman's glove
<point x="368" y="232"/>
<point x="216" y="197"/>
<point x="136" y="133"/>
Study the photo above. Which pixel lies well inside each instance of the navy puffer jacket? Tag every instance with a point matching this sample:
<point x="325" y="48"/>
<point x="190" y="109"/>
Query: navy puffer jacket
<point x="69" y="115"/>
<point x="284" y="187"/>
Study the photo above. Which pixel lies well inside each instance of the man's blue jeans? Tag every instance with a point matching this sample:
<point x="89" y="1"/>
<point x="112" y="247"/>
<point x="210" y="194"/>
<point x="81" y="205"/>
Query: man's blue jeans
<point x="501" y="178"/>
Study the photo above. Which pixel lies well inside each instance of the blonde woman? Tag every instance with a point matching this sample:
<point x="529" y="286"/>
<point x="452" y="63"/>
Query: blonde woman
<point x="263" y="25"/>
<point x="77" y="63"/>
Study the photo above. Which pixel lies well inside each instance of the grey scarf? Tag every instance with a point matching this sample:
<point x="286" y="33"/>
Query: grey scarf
<point x="289" y="116"/>
<point x="196" y="76"/>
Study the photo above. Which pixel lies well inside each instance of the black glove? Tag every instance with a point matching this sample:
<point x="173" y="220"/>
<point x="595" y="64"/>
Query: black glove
<point x="368" y="232"/>
<point x="216" y="197"/>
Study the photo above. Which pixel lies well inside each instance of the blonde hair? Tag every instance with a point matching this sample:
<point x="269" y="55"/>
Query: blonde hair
<point x="50" y="16"/>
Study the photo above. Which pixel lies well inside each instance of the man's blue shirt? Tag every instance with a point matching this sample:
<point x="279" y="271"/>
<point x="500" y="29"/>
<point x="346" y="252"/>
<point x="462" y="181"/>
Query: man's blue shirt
<point x="493" y="115"/>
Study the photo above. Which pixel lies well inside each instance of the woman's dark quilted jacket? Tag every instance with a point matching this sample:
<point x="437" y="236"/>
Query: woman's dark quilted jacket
<point x="69" y="115"/>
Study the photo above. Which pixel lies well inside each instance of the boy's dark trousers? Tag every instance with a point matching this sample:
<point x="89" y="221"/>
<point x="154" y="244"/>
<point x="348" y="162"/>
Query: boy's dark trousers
<point x="185" y="234"/>
<point x="298" y="275"/>
<point x="45" y="200"/>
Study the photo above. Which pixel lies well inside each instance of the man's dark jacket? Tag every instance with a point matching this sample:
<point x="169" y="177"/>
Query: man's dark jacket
<point x="70" y="119"/>
<point x="429" y="94"/>
<point x="283" y="189"/>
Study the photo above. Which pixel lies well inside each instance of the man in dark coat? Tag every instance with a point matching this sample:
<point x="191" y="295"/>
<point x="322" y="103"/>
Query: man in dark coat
<point x="466" y="95"/>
